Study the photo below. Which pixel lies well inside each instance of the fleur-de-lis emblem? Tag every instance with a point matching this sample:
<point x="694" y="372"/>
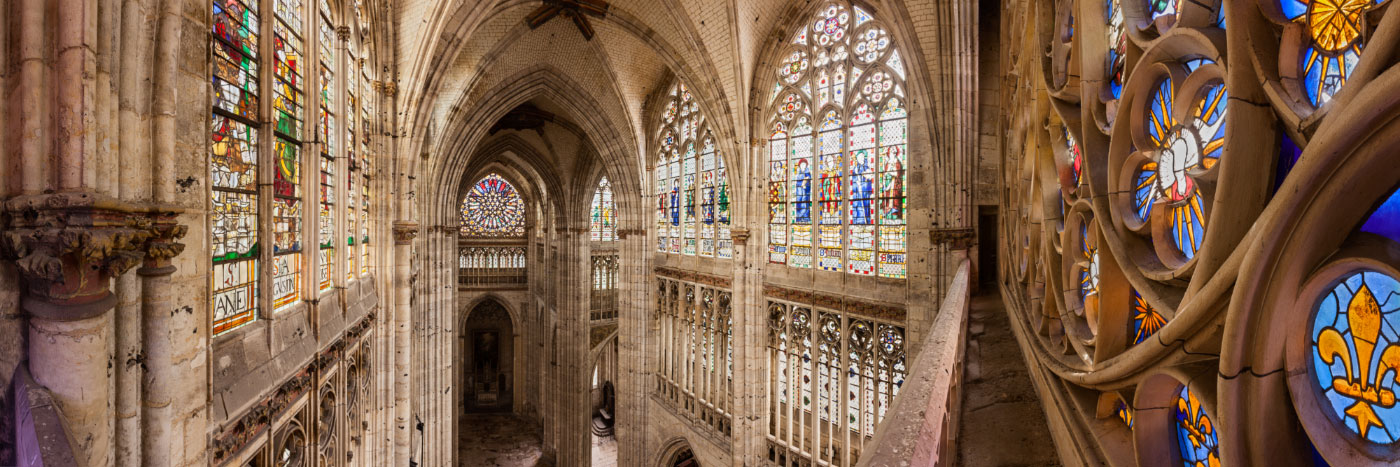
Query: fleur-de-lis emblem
<point x="1362" y="381"/>
<point x="1196" y="427"/>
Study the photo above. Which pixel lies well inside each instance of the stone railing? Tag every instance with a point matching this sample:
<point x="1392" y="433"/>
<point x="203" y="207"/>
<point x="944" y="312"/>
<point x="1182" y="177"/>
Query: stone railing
<point x="922" y="428"/>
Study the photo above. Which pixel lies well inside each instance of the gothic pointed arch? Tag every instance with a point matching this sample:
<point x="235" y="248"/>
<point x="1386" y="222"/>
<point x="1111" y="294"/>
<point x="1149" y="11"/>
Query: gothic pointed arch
<point x="836" y="126"/>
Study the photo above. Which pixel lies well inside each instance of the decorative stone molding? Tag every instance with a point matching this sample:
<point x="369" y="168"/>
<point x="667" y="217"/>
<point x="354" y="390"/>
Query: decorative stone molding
<point x="692" y="276"/>
<point x="740" y="236"/>
<point x="869" y="309"/>
<point x="390" y="88"/>
<point x="405" y="232"/>
<point x="238" y="435"/>
<point x="162" y="246"/>
<point x="343" y="33"/>
<point x="68" y="245"/>
<point x="957" y="239"/>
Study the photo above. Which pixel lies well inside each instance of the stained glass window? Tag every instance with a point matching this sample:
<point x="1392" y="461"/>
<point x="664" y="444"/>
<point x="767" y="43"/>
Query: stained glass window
<point x="233" y="171"/>
<point x="1117" y="56"/>
<point x="327" y="134"/>
<point x="352" y="174"/>
<point x="1183" y="147"/>
<point x="234" y="222"/>
<point x="602" y="218"/>
<point x="844" y="62"/>
<point x="1146" y="320"/>
<point x="493" y="208"/>
<point x="692" y="185"/>
<point x="366" y="97"/>
<point x="1354" y="348"/>
<point x="1333" y="42"/>
<point x="1195" y="431"/>
<point x="286" y="212"/>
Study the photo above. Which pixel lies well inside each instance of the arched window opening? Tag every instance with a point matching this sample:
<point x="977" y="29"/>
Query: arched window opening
<point x="493" y="208"/>
<point x="603" y="296"/>
<point x="692" y="183"/>
<point x="237" y="134"/>
<point x="492" y="250"/>
<point x="837" y="115"/>
<point x="602" y="215"/>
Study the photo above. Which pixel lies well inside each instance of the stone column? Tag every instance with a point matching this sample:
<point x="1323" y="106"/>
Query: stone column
<point x="68" y="246"/>
<point x="167" y="348"/>
<point x="404" y="233"/>
<point x="574" y="430"/>
<point x="750" y="350"/>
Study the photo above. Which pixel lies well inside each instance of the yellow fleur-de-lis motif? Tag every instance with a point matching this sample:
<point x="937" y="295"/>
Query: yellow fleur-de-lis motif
<point x="1361" y="383"/>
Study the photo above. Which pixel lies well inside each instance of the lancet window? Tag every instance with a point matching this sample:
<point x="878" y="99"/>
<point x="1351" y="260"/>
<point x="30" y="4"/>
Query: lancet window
<point x="244" y="173"/>
<point x="602" y="215"/>
<point x="692" y="183"/>
<point x="837" y="140"/>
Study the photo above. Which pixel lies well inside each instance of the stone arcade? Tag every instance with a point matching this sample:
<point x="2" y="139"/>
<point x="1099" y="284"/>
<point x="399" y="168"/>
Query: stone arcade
<point x="699" y="232"/>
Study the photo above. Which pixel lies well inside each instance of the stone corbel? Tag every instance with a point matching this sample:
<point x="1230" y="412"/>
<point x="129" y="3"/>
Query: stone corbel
<point x="956" y="239"/>
<point x="163" y="245"/>
<point x="405" y="232"/>
<point x="740" y="236"/>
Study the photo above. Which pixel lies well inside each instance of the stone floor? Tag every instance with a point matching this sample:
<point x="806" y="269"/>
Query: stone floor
<point x="499" y="440"/>
<point x="604" y="451"/>
<point x="1003" y="423"/>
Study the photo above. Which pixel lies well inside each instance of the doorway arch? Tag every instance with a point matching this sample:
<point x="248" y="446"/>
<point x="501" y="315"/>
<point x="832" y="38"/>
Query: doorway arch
<point x="488" y="357"/>
<point x="678" y="453"/>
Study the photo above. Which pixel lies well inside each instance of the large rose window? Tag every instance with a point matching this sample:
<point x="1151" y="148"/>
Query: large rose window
<point x="1180" y="132"/>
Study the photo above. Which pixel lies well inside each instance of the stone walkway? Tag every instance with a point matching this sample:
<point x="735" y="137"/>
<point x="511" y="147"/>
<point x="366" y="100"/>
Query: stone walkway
<point x="503" y="440"/>
<point x="604" y="451"/>
<point x="1003" y="423"/>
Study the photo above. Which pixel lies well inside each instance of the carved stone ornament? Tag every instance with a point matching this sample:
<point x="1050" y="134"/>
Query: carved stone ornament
<point x="390" y="89"/>
<point x="68" y="245"/>
<point x="957" y="239"/>
<point x="405" y="232"/>
<point x="740" y="236"/>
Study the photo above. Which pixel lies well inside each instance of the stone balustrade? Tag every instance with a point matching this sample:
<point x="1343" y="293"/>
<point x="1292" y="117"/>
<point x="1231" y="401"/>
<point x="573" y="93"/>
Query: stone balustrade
<point x="922" y="427"/>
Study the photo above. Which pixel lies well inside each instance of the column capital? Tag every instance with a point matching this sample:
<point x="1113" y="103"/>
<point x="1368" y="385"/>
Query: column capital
<point x="343" y="33"/>
<point x="163" y="245"/>
<point x="740" y="236"/>
<point x="405" y="232"/>
<point x="68" y="245"/>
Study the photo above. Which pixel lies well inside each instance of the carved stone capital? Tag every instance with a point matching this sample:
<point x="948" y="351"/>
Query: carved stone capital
<point x="390" y="89"/>
<point x="405" y="232"/>
<point x="343" y="33"/>
<point x="163" y="245"/>
<point x="68" y="245"/>
<point x="740" y="236"/>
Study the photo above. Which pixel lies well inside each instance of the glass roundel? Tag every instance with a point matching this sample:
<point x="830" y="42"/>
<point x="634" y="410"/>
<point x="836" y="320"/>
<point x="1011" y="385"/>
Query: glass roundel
<point x="493" y="209"/>
<point x="1355" y="354"/>
<point x="1183" y="148"/>
<point x="1332" y="31"/>
<point x="1195" y="432"/>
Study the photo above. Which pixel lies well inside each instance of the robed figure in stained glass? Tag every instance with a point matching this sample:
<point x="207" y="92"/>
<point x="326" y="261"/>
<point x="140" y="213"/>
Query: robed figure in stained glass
<point x="802" y="192"/>
<point x="862" y="188"/>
